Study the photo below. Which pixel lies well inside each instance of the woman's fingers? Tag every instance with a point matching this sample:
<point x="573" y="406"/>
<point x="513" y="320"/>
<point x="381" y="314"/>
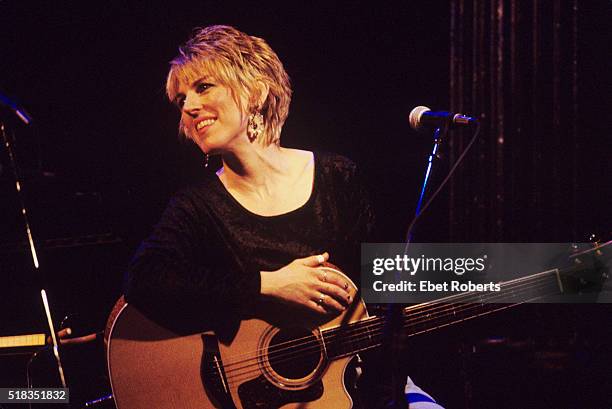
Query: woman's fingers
<point x="317" y="307"/>
<point x="314" y="261"/>
<point x="326" y="304"/>
<point x="337" y="293"/>
<point x="333" y="285"/>
<point x="334" y="303"/>
<point x="333" y="278"/>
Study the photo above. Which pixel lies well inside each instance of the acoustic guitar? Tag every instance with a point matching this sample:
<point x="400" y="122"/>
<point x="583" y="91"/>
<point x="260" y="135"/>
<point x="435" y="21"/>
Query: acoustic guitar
<point x="281" y="361"/>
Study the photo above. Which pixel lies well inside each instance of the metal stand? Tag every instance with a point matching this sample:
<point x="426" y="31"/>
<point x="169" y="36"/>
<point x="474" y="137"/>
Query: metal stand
<point x="439" y="133"/>
<point x="24" y="213"/>
<point x="394" y="314"/>
<point x="13" y="162"/>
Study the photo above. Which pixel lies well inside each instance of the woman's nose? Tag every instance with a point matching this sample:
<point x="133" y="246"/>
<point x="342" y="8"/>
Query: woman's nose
<point x="192" y="105"/>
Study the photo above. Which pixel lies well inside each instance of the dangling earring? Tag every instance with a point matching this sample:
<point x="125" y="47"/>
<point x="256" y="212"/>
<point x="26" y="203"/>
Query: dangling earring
<point x="206" y="160"/>
<point x="255" y="126"/>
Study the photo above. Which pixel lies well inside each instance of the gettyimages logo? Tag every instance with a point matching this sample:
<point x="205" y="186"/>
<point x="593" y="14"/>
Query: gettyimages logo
<point x="413" y="265"/>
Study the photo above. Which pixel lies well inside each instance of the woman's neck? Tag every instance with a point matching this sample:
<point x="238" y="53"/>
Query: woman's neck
<point x="256" y="169"/>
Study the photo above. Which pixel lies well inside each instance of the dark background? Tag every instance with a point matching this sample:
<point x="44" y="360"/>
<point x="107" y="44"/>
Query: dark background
<point x="102" y="158"/>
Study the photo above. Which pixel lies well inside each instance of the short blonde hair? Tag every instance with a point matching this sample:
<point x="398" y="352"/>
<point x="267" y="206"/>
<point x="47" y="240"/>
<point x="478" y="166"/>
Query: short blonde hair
<point x="240" y="62"/>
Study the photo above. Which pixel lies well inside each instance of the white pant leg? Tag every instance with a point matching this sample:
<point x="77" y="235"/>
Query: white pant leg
<point x="417" y="398"/>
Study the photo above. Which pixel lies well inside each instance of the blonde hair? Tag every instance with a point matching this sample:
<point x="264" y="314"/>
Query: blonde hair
<point x="240" y="62"/>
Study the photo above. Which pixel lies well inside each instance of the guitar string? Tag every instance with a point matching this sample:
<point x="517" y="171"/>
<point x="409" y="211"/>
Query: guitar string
<point x="317" y="350"/>
<point x="429" y="309"/>
<point x="245" y="375"/>
<point x="371" y="328"/>
<point x="443" y="302"/>
<point x="428" y="315"/>
<point x="505" y="306"/>
<point x="507" y="284"/>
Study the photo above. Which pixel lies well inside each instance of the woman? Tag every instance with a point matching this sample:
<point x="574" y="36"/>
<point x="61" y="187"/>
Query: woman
<point x="258" y="228"/>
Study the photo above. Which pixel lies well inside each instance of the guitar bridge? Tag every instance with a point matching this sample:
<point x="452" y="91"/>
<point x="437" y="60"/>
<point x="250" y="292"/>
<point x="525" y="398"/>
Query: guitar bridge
<point x="213" y="374"/>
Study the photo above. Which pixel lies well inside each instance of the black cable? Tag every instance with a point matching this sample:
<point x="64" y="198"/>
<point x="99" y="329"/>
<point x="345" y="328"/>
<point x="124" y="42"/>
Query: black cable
<point x="446" y="179"/>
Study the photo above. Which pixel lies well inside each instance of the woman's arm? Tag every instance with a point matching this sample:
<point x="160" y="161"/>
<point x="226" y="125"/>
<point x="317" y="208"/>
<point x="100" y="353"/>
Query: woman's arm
<point x="184" y="272"/>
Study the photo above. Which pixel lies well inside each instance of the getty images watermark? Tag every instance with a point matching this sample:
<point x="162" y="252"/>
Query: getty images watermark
<point x="484" y="272"/>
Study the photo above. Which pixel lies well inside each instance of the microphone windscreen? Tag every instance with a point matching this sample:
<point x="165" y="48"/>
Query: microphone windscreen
<point x="415" y="117"/>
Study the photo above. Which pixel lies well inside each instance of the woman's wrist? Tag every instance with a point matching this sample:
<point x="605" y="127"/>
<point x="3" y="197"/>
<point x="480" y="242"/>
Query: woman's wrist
<point x="267" y="287"/>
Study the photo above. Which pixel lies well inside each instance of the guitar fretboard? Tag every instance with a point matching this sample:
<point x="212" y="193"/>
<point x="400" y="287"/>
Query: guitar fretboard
<point x="422" y="318"/>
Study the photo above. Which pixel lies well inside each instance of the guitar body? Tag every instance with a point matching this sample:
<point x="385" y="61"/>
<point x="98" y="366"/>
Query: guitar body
<point x="284" y="360"/>
<point x="272" y="361"/>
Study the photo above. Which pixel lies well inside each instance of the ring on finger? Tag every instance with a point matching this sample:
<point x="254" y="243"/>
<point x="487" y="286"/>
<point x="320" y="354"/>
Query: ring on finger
<point x="321" y="299"/>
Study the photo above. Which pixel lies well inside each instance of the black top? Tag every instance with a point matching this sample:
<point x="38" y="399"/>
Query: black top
<point x="201" y="264"/>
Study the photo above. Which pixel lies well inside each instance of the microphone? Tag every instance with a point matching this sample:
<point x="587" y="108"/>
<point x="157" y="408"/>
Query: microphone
<point x="422" y="117"/>
<point x="19" y="111"/>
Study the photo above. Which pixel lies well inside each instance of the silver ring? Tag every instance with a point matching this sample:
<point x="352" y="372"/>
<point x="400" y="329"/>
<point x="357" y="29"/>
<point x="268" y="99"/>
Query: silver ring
<point x="321" y="299"/>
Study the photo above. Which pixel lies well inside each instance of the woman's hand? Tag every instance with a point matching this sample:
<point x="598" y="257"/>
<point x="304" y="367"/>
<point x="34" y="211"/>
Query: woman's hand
<point x="300" y="283"/>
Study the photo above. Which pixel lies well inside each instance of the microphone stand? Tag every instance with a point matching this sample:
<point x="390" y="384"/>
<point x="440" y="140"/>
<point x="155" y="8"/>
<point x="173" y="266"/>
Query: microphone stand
<point x="11" y="154"/>
<point x="394" y="322"/>
<point x="438" y="135"/>
<point x="16" y="174"/>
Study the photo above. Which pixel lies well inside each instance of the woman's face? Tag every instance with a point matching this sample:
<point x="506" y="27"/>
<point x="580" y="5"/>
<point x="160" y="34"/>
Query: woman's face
<point x="210" y="115"/>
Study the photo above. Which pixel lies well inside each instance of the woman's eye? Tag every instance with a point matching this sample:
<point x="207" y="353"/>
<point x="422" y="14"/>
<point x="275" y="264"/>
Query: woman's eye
<point x="202" y="87"/>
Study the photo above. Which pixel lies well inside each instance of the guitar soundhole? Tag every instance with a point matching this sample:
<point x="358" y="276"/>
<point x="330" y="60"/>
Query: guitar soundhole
<point x="294" y="353"/>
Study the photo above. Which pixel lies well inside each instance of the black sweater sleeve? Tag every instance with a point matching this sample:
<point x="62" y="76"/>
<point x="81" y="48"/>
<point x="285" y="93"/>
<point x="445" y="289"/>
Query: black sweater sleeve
<point x="182" y="277"/>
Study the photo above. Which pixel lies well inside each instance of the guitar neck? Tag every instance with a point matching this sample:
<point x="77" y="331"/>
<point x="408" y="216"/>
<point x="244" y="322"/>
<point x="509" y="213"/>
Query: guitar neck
<point x="430" y="316"/>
